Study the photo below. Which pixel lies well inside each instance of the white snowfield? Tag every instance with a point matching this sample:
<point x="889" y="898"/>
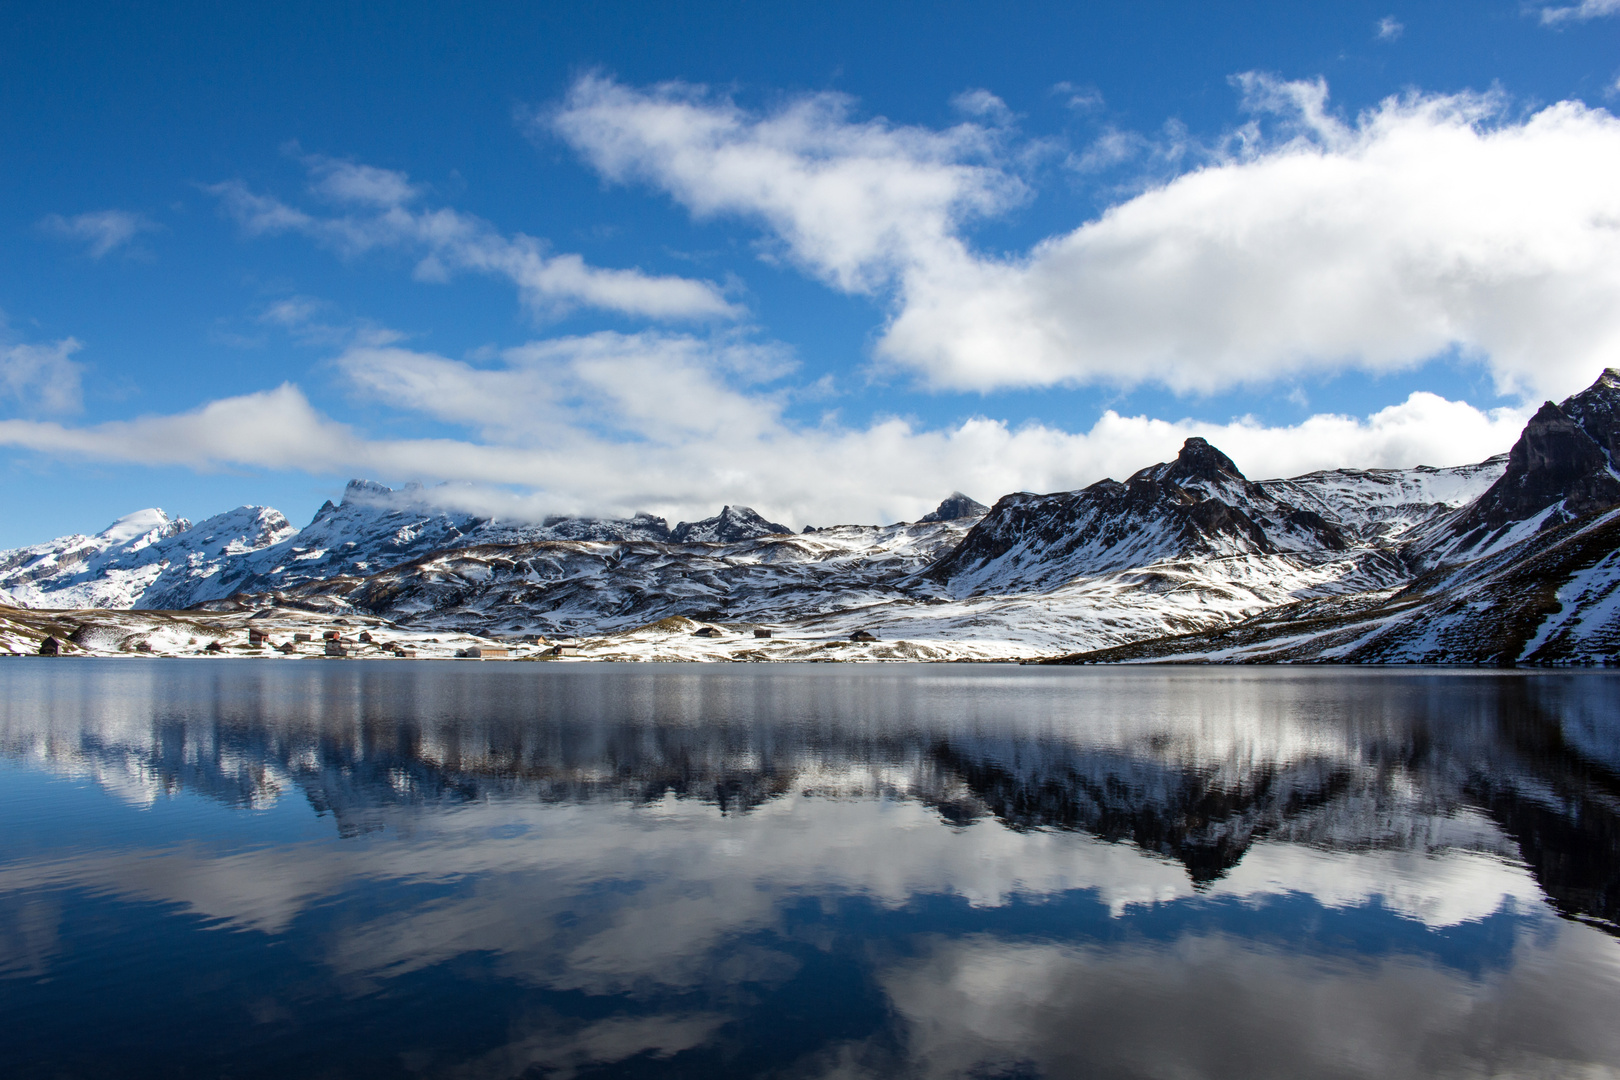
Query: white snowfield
<point x="1509" y="560"/>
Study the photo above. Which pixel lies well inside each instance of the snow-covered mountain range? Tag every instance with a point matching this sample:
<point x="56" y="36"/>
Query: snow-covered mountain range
<point x="1511" y="559"/>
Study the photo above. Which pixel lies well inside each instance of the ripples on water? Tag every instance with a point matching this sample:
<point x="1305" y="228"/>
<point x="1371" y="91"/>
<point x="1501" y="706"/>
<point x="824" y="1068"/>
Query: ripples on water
<point x="458" y="870"/>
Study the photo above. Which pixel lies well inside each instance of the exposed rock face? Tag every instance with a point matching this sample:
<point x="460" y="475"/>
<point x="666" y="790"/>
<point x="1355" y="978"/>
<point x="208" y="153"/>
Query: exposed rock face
<point x="1201" y="469"/>
<point x="731" y="524"/>
<point x="1597" y="410"/>
<point x="1564" y="459"/>
<point x="640" y="527"/>
<point x="955" y="507"/>
<point x="1198" y="504"/>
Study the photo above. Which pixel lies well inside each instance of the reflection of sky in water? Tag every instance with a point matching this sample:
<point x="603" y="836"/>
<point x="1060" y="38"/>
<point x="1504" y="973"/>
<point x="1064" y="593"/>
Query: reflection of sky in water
<point x="459" y="870"/>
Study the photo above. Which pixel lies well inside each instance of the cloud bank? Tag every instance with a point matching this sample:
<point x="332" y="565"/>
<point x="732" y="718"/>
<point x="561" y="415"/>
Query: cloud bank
<point x="674" y="424"/>
<point x="1310" y="243"/>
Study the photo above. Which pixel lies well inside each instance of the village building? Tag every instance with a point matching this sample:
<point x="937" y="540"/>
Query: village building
<point x="862" y="635"/>
<point x="50" y="647"/>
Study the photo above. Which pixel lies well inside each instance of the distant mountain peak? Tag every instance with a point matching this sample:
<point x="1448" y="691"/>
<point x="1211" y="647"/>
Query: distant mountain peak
<point x="142" y="522"/>
<point x="956" y="506"/>
<point x="731" y="524"/>
<point x="1199" y="460"/>
<point x="365" y="491"/>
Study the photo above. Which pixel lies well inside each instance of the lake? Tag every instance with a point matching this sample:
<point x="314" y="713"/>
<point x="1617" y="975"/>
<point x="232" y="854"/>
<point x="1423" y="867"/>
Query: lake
<point x="438" y="869"/>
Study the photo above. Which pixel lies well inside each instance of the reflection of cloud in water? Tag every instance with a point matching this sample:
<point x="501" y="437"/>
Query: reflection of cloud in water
<point x="559" y="1051"/>
<point x="1214" y="1006"/>
<point x="684" y="880"/>
<point x="651" y="834"/>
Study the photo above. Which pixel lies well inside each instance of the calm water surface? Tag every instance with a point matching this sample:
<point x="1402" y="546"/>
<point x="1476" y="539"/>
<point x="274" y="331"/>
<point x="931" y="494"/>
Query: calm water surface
<point x="244" y="869"/>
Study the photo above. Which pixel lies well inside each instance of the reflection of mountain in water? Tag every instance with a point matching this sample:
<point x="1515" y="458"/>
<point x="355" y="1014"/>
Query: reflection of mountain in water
<point x="1395" y="771"/>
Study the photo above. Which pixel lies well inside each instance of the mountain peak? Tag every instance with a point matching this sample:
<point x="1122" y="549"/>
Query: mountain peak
<point x="1597" y="410"/>
<point x="956" y="505"/>
<point x="140" y="523"/>
<point x="731" y="524"/>
<point x="1201" y="467"/>
<point x="364" y="491"/>
<point x="1555" y="460"/>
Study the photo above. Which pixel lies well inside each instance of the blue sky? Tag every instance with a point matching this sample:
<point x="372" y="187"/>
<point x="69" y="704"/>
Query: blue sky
<point x="831" y="261"/>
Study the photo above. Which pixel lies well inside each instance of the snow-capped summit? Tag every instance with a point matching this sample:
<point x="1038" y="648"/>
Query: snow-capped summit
<point x="731" y="524"/>
<point x="150" y="525"/>
<point x="143" y="559"/>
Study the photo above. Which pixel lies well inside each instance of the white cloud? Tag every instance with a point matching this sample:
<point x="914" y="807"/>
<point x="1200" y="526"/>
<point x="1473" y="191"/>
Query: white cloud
<point x="1586" y="9"/>
<point x="855" y="203"/>
<point x="102" y="231"/>
<point x="1425" y="225"/>
<point x="676" y="425"/>
<point x="1080" y="98"/>
<point x="378" y="214"/>
<point x="1390" y="28"/>
<point x="41" y="378"/>
<point x="350" y="182"/>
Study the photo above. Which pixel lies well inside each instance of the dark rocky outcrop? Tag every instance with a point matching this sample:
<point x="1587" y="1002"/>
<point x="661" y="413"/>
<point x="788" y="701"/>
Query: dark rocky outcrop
<point x="1565" y="458"/>
<point x="955" y="507"/>
<point x="1597" y="410"/>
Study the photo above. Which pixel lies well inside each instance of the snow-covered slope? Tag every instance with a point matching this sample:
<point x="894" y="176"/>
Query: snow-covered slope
<point x="1160" y="554"/>
<point x="147" y="561"/>
<point x="731" y="523"/>
<point x="1383" y="506"/>
<point x="1512" y="559"/>
<point x="1199" y="506"/>
<point x="1527" y="572"/>
<point x="143" y="560"/>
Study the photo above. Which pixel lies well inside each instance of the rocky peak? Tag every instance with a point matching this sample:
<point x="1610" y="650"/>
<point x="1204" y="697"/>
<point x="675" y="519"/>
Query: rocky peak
<point x="1199" y="461"/>
<point x="1597" y="410"/>
<point x="1554" y="461"/>
<point x="364" y="491"/>
<point x="955" y="506"/>
<point x="731" y="524"/>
